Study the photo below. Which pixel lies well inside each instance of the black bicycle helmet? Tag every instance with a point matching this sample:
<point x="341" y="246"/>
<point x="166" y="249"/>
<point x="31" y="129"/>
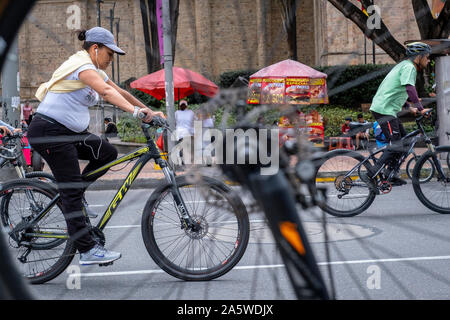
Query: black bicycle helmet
<point x="417" y="48"/>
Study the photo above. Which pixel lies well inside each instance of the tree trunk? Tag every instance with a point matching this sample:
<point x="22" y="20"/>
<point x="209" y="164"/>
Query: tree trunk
<point x="150" y="26"/>
<point x="289" y="14"/>
<point x="442" y="23"/>
<point x="174" y="11"/>
<point x="148" y="52"/>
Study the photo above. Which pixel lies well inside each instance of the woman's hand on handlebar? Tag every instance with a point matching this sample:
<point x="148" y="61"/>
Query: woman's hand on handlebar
<point x="5" y="131"/>
<point x="149" y="114"/>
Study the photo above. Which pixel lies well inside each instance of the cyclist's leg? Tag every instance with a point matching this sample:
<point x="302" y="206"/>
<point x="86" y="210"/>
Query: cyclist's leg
<point x="392" y="130"/>
<point x="98" y="151"/>
<point x="52" y="142"/>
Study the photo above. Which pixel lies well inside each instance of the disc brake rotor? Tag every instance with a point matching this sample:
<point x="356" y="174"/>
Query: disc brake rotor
<point x="202" y="228"/>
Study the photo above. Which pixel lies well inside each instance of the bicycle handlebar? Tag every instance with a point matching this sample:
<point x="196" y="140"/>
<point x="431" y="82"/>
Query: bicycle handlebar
<point x="155" y="122"/>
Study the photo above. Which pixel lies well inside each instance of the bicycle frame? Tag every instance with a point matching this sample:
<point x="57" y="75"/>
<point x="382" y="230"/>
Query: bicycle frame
<point x="144" y="155"/>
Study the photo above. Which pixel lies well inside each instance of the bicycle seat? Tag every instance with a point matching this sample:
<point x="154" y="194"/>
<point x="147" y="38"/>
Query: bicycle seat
<point x="360" y="126"/>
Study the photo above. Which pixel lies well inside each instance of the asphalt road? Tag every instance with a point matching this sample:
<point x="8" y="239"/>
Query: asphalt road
<point x="397" y="249"/>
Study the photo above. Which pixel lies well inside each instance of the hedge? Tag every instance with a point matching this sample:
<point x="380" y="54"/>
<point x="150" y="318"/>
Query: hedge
<point x="349" y="86"/>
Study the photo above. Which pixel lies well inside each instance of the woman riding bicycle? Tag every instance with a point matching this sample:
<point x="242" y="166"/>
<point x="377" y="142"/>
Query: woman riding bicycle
<point x="58" y="132"/>
<point x="398" y="87"/>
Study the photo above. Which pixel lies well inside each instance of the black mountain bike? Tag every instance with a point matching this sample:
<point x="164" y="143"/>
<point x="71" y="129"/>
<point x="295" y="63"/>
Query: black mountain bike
<point x="350" y="192"/>
<point x="11" y="153"/>
<point x="194" y="229"/>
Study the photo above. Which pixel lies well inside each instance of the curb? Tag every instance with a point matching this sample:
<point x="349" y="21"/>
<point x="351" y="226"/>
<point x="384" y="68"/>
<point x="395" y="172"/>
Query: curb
<point x="330" y="177"/>
<point x="147" y="183"/>
<point x="115" y="184"/>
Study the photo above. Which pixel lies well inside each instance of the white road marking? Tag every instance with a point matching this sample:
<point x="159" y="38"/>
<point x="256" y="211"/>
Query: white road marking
<point x="272" y="266"/>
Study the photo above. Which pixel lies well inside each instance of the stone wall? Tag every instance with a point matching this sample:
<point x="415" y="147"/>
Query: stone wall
<point x="213" y="36"/>
<point x="343" y="42"/>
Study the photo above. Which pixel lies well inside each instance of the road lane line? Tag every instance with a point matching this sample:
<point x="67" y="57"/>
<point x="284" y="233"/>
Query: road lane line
<point x="138" y="225"/>
<point x="272" y="266"/>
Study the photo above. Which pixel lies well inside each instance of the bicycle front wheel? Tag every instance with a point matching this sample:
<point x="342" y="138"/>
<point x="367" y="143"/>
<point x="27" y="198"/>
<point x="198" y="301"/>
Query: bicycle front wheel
<point x="41" y="255"/>
<point x="204" y="254"/>
<point x="347" y="193"/>
<point x="435" y="192"/>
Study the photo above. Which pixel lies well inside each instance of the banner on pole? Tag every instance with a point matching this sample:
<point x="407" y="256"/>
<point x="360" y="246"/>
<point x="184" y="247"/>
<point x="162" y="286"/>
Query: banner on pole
<point x="159" y="21"/>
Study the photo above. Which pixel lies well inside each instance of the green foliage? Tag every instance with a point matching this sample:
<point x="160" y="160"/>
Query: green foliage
<point x="227" y="79"/>
<point x="129" y="129"/>
<point x="350" y="86"/>
<point x="431" y="77"/>
<point x="334" y="117"/>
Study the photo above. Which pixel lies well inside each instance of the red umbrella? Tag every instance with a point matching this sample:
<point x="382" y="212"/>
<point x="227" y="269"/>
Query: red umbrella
<point x="185" y="83"/>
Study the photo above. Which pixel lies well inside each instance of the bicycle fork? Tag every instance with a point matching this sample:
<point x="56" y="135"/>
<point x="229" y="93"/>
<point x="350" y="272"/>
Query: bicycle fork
<point x="440" y="171"/>
<point x="185" y="218"/>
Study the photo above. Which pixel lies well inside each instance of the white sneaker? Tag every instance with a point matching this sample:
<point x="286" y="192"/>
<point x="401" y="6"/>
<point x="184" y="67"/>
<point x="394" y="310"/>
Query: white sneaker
<point x="98" y="255"/>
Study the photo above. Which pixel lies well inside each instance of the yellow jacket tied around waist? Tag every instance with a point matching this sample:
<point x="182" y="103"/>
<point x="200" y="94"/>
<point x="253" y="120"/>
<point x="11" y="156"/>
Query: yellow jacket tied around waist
<point x="57" y="84"/>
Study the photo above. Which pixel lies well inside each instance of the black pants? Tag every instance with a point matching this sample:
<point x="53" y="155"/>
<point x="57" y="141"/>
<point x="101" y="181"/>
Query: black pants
<point x="394" y="131"/>
<point x="62" y="148"/>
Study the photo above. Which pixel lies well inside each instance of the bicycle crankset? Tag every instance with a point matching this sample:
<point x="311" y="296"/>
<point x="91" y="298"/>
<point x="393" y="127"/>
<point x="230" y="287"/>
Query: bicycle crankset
<point x="385" y="187"/>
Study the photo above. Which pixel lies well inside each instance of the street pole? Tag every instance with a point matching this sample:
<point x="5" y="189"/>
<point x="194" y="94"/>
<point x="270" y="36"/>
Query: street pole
<point x="365" y="49"/>
<point x="443" y="98"/>
<point x="118" y="70"/>
<point x="117" y="56"/>
<point x="168" y="60"/>
<point x="373" y="52"/>
<point x="11" y="99"/>
<point x="99" y="20"/>
<point x="11" y="87"/>
<point x="111" y="26"/>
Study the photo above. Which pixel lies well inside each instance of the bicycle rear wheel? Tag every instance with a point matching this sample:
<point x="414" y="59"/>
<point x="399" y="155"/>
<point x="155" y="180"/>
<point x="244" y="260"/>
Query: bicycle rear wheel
<point x="427" y="172"/>
<point x="435" y="192"/>
<point x="347" y="194"/>
<point x="199" y="255"/>
<point x="41" y="258"/>
<point x="40" y="175"/>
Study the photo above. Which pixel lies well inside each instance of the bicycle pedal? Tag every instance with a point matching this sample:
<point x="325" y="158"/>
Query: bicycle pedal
<point x="106" y="264"/>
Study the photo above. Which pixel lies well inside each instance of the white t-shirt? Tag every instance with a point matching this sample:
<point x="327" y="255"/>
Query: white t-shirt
<point x="208" y="123"/>
<point x="71" y="109"/>
<point x="184" y="123"/>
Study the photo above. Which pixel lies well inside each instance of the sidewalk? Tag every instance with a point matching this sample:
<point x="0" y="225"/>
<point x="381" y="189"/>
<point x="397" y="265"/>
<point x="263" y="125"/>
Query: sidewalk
<point x="150" y="177"/>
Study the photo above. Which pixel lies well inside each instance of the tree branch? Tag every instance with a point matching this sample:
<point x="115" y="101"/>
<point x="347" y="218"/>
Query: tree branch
<point x="424" y="18"/>
<point x="382" y="36"/>
<point x="442" y="29"/>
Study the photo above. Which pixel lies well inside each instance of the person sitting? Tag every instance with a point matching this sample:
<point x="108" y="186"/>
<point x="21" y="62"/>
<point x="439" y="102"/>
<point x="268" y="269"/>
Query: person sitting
<point x="363" y="135"/>
<point x="111" y="128"/>
<point x="346" y="126"/>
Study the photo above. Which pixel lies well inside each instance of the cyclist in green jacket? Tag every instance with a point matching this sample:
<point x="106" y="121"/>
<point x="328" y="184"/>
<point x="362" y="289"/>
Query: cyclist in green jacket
<point x="392" y="95"/>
